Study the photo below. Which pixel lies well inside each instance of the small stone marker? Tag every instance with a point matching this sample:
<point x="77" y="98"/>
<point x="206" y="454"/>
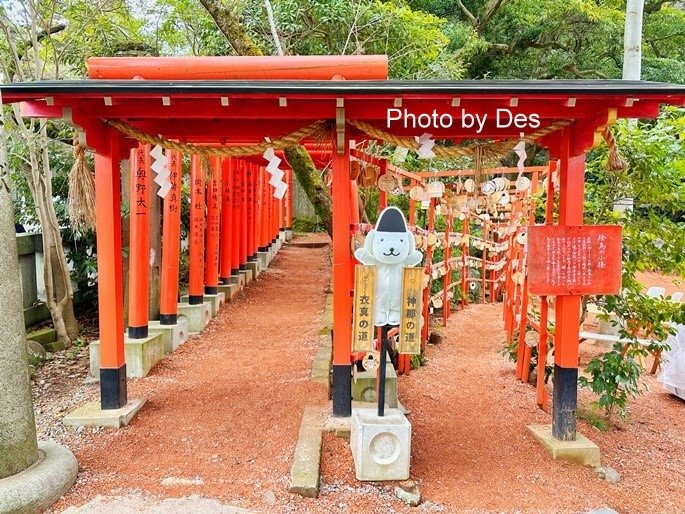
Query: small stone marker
<point x="408" y="492"/>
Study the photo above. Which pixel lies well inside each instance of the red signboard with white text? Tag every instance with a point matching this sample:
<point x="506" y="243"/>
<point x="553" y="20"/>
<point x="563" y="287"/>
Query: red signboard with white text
<point x="575" y="260"/>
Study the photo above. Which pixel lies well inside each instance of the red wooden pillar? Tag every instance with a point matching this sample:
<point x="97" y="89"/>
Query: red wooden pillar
<point x="289" y="200"/>
<point x="464" y="265"/>
<point x="244" y="218"/>
<point x="261" y="207"/>
<point x="139" y="247"/>
<point x="213" y="225"/>
<point x="237" y="217"/>
<point x="564" y="401"/>
<point x="226" y="245"/>
<point x="342" y="286"/>
<point x="447" y="278"/>
<point x="429" y="262"/>
<point x="171" y="236"/>
<point x="250" y="182"/>
<point x="382" y="195"/>
<point x="113" y="393"/>
<point x="196" y="251"/>
<point x="354" y="202"/>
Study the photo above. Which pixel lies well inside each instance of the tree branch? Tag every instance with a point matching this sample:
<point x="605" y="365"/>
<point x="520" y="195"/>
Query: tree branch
<point x="472" y="19"/>
<point x="231" y="28"/>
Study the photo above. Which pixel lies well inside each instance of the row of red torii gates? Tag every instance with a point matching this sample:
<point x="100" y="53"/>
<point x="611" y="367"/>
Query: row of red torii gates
<point x="225" y="102"/>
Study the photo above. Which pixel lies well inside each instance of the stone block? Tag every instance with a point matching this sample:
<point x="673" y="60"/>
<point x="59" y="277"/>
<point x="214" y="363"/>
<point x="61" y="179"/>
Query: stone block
<point x="263" y="258"/>
<point x="230" y="291"/>
<point x="255" y="267"/>
<point x="381" y="446"/>
<point x="289" y="234"/>
<point x="247" y="275"/>
<point x="91" y="415"/>
<point x="238" y="280"/>
<point x="581" y="451"/>
<point x="198" y="315"/>
<point x="364" y="386"/>
<point x="216" y="302"/>
<point x="321" y="367"/>
<point x="172" y="335"/>
<point x="304" y="472"/>
<point x="141" y="355"/>
<point x="43" y="336"/>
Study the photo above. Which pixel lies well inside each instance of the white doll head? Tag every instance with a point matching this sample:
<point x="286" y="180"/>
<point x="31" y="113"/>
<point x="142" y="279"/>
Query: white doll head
<point x="390" y="242"/>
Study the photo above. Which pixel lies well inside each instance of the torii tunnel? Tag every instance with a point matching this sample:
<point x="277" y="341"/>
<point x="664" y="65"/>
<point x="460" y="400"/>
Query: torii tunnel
<point x="240" y="101"/>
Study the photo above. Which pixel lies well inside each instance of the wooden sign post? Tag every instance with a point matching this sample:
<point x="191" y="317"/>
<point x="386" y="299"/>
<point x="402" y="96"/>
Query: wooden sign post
<point x="364" y="299"/>
<point x="410" y="316"/>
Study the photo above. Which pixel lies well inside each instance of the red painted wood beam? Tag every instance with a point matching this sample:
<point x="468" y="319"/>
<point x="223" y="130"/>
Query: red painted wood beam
<point x="226" y="241"/>
<point x="171" y="233"/>
<point x="212" y="227"/>
<point x="197" y="232"/>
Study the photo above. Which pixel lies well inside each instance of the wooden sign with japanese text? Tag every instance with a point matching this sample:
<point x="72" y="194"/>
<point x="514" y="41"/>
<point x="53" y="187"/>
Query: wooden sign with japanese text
<point x="410" y="314"/>
<point x="576" y="260"/>
<point x="364" y="299"/>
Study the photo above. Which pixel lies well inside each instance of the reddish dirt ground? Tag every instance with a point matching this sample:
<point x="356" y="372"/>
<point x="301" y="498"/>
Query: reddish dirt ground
<point x="224" y="410"/>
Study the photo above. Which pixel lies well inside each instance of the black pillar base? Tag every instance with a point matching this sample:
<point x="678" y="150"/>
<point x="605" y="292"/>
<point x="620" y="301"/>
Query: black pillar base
<point x="113" y="394"/>
<point x="263" y="248"/>
<point x="564" y="403"/>
<point x="274" y="240"/>
<point x="168" y="319"/>
<point x="196" y="299"/>
<point x="342" y="390"/>
<point x="211" y="290"/>
<point x="252" y="258"/>
<point x="243" y="267"/>
<point x="288" y="228"/>
<point x="137" y="332"/>
<point x="223" y="281"/>
<point x="235" y="272"/>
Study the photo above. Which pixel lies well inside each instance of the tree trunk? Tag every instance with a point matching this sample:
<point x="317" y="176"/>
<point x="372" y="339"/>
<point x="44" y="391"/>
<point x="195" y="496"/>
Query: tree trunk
<point x="18" y="443"/>
<point x="310" y="180"/>
<point x="632" y="40"/>
<point x="230" y="27"/>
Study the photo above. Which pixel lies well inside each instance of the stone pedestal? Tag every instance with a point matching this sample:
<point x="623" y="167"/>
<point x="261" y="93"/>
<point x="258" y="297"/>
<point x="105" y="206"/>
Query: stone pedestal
<point x="255" y="267"/>
<point x="247" y="275"/>
<point x="381" y="447"/>
<point x="230" y="291"/>
<point x="198" y="315"/>
<point x="238" y="280"/>
<point x="581" y="451"/>
<point x="172" y="335"/>
<point x="216" y="301"/>
<point x="263" y="258"/>
<point x="364" y="386"/>
<point x="141" y="355"/>
<point x="91" y="415"/>
<point x="289" y="234"/>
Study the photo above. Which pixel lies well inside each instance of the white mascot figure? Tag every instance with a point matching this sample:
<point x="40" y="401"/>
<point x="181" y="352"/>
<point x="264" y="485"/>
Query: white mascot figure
<point x="390" y="246"/>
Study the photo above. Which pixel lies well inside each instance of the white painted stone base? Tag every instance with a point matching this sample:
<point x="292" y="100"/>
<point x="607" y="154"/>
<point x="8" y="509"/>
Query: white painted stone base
<point x="263" y="258"/>
<point x="172" y="335"/>
<point x="216" y="301"/>
<point x="380" y="446"/>
<point x="198" y="315"/>
<point x="289" y="234"/>
<point x="247" y="275"/>
<point x="255" y="267"/>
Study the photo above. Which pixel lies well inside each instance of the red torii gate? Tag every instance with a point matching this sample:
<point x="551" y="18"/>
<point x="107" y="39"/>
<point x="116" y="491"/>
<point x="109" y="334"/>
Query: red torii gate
<point x="300" y="92"/>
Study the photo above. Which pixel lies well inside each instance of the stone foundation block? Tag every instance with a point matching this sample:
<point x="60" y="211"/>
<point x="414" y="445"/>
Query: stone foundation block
<point x="216" y="301"/>
<point x="581" y="451"/>
<point x="364" y="386"/>
<point x="247" y="275"/>
<point x="289" y="234"/>
<point x="141" y="355"/>
<point x="263" y="258"/>
<point x="255" y="267"/>
<point x="198" y="315"/>
<point x="380" y="446"/>
<point x="91" y="415"/>
<point x="172" y="335"/>
<point x="230" y="291"/>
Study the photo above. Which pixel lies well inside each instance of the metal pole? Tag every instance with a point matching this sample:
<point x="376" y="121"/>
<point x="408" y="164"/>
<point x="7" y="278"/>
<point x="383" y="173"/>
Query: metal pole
<point x="381" y="371"/>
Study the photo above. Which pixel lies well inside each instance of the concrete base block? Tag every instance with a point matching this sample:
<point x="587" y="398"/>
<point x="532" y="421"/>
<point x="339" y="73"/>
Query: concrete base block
<point x="364" y="386"/>
<point x="230" y="291"/>
<point x="216" y="301"/>
<point x="255" y="267"/>
<point x="581" y="451"/>
<point x="141" y="355"/>
<point x="237" y="280"/>
<point x="172" y="335"/>
<point x="247" y="275"/>
<point x="380" y="446"/>
<point x="289" y="234"/>
<point x="91" y="415"/>
<point x="198" y="315"/>
<point x="39" y="486"/>
<point x="263" y="258"/>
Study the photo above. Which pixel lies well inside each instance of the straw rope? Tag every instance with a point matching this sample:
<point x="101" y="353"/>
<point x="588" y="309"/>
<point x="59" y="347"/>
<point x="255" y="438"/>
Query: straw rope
<point x="487" y="150"/>
<point x="81" y="199"/>
<point x="315" y="130"/>
<point x="615" y="161"/>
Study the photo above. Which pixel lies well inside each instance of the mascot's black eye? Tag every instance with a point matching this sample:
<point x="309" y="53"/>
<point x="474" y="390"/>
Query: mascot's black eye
<point x="401" y="240"/>
<point x="381" y="239"/>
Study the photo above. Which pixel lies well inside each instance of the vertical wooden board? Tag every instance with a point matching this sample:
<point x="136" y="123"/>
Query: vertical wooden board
<point x="364" y="299"/>
<point x="410" y="316"/>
